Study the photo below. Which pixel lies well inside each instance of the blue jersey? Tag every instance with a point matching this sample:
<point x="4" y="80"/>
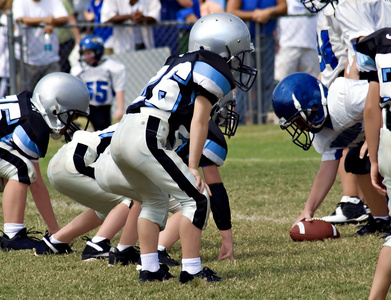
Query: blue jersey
<point x="23" y="128"/>
<point x="183" y="78"/>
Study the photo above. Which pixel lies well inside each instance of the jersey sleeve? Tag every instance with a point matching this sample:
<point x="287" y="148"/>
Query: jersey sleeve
<point x="118" y="75"/>
<point x="212" y="76"/>
<point x="31" y="137"/>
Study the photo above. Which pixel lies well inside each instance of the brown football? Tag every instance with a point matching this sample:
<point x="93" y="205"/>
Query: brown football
<point x="315" y="230"/>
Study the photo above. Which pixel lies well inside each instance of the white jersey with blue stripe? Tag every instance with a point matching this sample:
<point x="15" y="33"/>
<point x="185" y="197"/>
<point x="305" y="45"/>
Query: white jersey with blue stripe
<point x="346" y="127"/>
<point x="102" y="81"/>
<point x="183" y="78"/>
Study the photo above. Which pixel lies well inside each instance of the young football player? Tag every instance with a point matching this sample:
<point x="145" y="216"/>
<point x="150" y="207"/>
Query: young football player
<point x="213" y="156"/>
<point x="313" y="114"/>
<point x="28" y="120"/>
<point x="181" y="94"/>
<point x="105" y="79"/>
<point x="364" y="18"/>
<point x="71" y="172"/>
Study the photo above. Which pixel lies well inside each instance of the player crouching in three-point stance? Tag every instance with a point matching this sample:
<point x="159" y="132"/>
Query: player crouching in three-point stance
<point x="326" y="118"/>
<point x="182" y="93"/>
<point x="27" y="120"/>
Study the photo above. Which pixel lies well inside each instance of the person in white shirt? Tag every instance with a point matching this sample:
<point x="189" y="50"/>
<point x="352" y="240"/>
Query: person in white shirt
<point x="38" y="62"/>
<point x="129" y="38"/>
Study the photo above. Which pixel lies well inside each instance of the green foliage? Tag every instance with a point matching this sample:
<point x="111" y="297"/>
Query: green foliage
<point x="268" y="179"/>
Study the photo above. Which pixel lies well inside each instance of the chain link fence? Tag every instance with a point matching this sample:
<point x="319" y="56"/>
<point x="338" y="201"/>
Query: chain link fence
<point x="141" y="65"/>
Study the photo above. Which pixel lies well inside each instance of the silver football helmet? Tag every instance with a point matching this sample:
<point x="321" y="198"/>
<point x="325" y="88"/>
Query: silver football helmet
<point x="60" y="97"/>
<point x="228" y="36"/>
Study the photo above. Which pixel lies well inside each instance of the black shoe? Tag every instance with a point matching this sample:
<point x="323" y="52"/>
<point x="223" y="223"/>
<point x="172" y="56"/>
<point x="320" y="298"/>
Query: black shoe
<point x="129" y="255"/>
<point x="205" y="273"/>
<point x="161" y="274"/>
<point x="46" y="247"/>
<point x="165" y="258"/>
<point x="374" y="226"/>
<point x="349" y="210"/>
<point x="96" y="250"/>
<point x="20" y="241"/>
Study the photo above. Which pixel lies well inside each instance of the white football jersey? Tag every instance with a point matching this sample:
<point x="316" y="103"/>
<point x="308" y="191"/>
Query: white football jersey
<point x="331" y="47"/>
<point x="103" y="80"/>
<point x="361" y="18"/>
<point x="346" y="128"/>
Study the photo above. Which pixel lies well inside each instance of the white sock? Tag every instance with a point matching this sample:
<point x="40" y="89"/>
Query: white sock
<point x="191" y="265"/>
<point x="97" y="239"/>
<point x="121" y="247"/>
<point x="150" y="262"/>
<point x="381" y="217"/>
<point x="161" y="248"/>
<point x="11" y="229"/>
<point x="53" y="240"/>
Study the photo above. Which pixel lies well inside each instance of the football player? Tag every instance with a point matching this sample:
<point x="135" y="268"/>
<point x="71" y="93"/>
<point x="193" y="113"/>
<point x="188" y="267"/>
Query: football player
<point x="27" y="122"/>
<point x="105" y="79"/>
<point x="182" y="93"/>
<point x="311" y="113"/>
<point x="332" y="51"/>
<point x="71" y="172"/>
<point x="213" y="155"/>
<point x="350" y="209"/>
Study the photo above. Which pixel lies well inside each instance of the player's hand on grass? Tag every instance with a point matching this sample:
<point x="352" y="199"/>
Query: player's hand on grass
<point x="226" y="251"/>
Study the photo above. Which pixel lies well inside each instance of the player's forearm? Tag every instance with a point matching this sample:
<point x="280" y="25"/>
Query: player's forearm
<point x="323" y="182"/>
<point x="42" y="201"/>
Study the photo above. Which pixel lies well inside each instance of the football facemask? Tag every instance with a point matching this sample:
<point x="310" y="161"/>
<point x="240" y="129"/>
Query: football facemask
<point x="315" y="6"/>
<point x="244" y="76"/>
<point x="226" y="117"/>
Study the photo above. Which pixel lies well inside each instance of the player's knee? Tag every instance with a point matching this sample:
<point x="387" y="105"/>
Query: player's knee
<point x="155" y="214"/>
<point x="354" y="164"/>
<point x="197" y="210"/>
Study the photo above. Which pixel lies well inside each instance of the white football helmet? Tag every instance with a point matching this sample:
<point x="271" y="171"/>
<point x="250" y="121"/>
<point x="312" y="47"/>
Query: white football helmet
<point x="60" y="97"/>
<point x="228" y="36"/>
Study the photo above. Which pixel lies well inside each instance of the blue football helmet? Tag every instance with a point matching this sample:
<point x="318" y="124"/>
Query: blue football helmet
<point x="315" y="6"/>
<point x="300" y="102"/>
<point x="94" y="43"/>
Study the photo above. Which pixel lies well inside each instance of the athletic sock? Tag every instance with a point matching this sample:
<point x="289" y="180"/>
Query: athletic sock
<point x="191" y="265"/>
<point x="150" y="262"/>
<point x="11" y="229"/>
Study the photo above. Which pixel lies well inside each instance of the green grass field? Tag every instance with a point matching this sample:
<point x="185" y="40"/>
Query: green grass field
<point x="268" y="179"/>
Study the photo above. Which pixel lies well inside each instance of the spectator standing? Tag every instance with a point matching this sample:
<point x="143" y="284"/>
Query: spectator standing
<point x="140" y="12"/>
<point x="92" y="13"/>
<point x="264" y="14"/>
<point x="296" y="38"/>
<point x="37" y="60"/>
<point x="68" y="38"/>
<point x="5" y="5"/>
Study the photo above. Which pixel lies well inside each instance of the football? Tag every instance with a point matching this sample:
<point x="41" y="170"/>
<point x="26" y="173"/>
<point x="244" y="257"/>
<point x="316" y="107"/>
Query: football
<point x="315" y="230"/>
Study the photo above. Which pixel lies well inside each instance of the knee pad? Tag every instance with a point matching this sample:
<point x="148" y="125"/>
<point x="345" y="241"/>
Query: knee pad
<point x="355" y="165"/>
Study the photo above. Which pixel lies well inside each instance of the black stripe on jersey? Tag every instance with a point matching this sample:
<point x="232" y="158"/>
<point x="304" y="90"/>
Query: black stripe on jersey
<point x="175" y="173"/>
<point x="78" y="160"/>
<point x="18" y="163"/>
